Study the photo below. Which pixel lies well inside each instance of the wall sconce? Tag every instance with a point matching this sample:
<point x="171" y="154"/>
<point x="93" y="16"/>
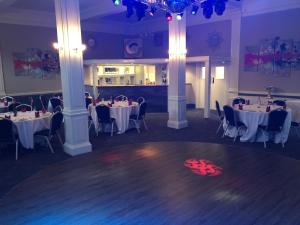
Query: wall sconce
<point x="58" y="47"/>
<point x="81" y="48"/>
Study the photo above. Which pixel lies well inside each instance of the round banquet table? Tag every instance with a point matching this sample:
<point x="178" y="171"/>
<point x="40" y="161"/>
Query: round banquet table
<point x="3" y="107"/>
<point x="120" y="111"/>
<point x="27" y="125"/>
<point x="294" y="105"/>
<point x="253" y="116"/>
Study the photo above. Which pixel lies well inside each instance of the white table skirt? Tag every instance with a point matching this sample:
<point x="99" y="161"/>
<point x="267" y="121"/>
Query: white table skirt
<point x="27" y="125"/>
<point x="3" y="107"/>
<point x="294" y="105"/>
<point x="252" y="119"/>
<point x="49" y="108"/>
<point x="120" y="111"/>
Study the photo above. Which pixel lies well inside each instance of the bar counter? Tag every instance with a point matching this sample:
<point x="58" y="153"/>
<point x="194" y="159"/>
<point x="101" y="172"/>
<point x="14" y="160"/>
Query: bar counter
<point x="155" y="95"/>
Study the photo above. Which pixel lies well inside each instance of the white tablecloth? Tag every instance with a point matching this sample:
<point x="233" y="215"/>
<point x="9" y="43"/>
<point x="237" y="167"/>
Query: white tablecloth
<point x="253" y="116"/>
<point x="120" y="111"/>
<point x="3" y="107"/>
<point x="27" y="125"/>
<point x="294" y="105"/>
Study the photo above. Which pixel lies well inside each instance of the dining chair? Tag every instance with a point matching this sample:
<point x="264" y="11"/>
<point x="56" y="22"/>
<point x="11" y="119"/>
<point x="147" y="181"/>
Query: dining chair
<point x="279" y="103"/>
<point x="8" y="98"/>
<point x="121" y="98"/>
<point x="55" y="125"/>
<point x="295" y="126"/>
<point x="88" y="101"/>
<point x="55" y="102"/>
<point x="23" y="107"/>
<point x="221" y="117"/>
<point x="43" y="102"/>
<point x="58" y="109"/>
<point x="232" y="121"/>
<point x="140" y="117"/>
<point x="8" y="134"/>
<point x="103" y="114"/>
<point x="238" y="101"/>
<point x="13" y="106"/>
<point x="140" y="100"/>
<point x="275" y="124"/>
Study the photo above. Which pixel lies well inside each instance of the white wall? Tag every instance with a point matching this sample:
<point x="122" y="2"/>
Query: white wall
<point x="16" y="38"/>
<point x="254" y="29"/>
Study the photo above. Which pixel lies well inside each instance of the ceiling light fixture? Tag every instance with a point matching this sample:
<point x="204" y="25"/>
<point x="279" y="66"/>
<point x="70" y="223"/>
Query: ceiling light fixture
<point x="116" y="2"/>
<point x="179" y="16"/>
<point x="195" y="9"/>
<point x="173" y="6"/>
<point x="169" y="16"/>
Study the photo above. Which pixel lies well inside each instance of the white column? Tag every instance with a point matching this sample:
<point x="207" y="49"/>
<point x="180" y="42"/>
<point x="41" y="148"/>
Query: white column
<point x="2" y="88"/>
<point x="198" y="90"/>
<point x="95" y="81"/>
<point x="234" y="68"/>
<point x="72" y="76"/>
<point x="177" y="61"/>
<point x="207" y="92"/>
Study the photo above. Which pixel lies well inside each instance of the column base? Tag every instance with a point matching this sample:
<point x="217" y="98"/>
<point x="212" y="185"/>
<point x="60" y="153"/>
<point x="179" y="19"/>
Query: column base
<point x="77" y="149"/>
<point x="177" y="124"/>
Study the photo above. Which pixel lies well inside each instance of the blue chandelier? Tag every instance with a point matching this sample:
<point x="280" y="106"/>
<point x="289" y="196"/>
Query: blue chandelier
<point x="143" y="7"/>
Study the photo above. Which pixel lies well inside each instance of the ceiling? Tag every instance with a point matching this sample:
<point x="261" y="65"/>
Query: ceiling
<point x="88" y="9"/>
<point x="48" y="5"/>
<point x="102" y="13"/>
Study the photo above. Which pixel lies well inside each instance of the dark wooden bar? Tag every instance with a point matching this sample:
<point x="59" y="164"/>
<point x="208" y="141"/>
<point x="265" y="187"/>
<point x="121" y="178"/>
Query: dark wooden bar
<point x="155" y="95"/>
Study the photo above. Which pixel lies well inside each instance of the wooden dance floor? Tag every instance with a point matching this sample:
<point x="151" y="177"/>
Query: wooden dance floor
<point x="161" y="183"/>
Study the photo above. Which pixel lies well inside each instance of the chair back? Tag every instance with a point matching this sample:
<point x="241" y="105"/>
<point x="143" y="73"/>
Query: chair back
<point x="88" y="101"/>
<point x="12" y="106"/>
<point x="7" y="133"/>
<point x="24" y="106"/>
<point x="279" y="102"/>
<point x="218" y="109"/>
<point x="229" y="115"/>
<point x="142" y="110"/>
<point x="140" y="100"/>
<point x="103" y="113"/>
<point x="276" y="120"/>
<point x="56" y="121"/>
<point x="43" y="102"/>
<point x="238" y="101"/>
<point x="8" y="98"/>
<point x="58" y="109"/>
<point x="55" y="102"/>
<point x="121" y="98"/>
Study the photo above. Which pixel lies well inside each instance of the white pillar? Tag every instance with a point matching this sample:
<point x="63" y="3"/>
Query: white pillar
<point x="177" y="61"/>
<point x="2" y="88"/>
<point x="198" y="90"/>
<point x="234" y="68"/>
<point x="72" y="76"/>
<point x="207" y="92"/>
<point x="95" y="81"/>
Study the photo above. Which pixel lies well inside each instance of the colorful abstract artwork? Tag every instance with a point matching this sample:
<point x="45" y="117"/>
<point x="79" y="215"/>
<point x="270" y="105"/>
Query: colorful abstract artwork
<point x="273" y="56"/>
<point x="36" y="63"/>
